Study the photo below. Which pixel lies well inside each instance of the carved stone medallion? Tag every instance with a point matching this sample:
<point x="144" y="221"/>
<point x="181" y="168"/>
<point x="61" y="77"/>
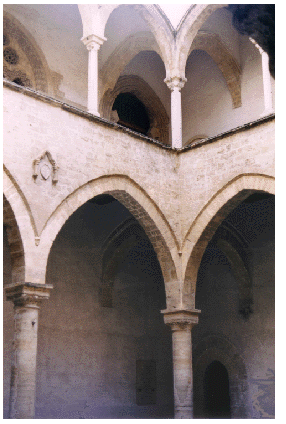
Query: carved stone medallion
<point x="46" y="166"/>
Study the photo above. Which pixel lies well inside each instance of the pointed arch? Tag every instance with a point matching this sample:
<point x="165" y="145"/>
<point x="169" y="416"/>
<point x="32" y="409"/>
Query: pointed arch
<point x="95" y="18"/>
<point x="144" y="210"/>
<point x="20" y="227"/>
<point x="46" y="81"/>
<point x="186" y="33"/>
<point x="208" y="220"/>
<point x="133" y="84"/>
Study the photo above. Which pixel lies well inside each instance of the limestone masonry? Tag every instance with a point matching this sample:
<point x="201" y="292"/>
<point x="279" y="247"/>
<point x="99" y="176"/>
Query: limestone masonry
<point x="138" y="214"/>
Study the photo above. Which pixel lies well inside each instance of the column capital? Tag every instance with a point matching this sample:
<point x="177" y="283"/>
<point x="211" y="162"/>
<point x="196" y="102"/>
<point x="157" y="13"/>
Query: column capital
<point x="28" y="294"/>
<point x="175" y="82"/>
<point x="181" y="320"/>
<point x="93" y="41"/>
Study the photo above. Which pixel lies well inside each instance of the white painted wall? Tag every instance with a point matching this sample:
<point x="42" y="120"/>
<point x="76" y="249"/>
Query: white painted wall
<point x="206" y="100"/>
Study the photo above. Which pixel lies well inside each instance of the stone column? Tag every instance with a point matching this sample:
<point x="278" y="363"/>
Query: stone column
<point x="181" y="323"/>
<point x="93" y="43"/>
<point x="267" y="91"/>
<point x="26" y="298"/>
<point x="268" y="107"/>
<point x="175" y="84"/>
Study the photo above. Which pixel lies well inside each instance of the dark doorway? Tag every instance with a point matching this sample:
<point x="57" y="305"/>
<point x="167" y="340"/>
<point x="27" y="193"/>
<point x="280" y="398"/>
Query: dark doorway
<point x="216" y="391"/>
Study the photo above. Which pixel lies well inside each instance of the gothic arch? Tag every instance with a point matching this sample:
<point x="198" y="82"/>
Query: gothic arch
<point x="186" y="33"/>
<point x="133" y="84"/>
<point x="208" y="220"/>
<point x="213" y="46"/>
<point x="213" y="347"/>
<point x="40" y="72"/>
<point x="142" y="208"/>
<point x="123" y="54"/>
<point x="20" y="226"/>
<point x="95" y="17"/>
<point x="27" y="228"/>
<point x="15" y="243"/>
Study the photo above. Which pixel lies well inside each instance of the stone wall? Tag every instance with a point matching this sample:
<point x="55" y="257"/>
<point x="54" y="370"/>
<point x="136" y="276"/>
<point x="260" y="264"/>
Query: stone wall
<point x="87" y="353"/>
<point x="86" y="150"/>
<point x="209" y="168"/>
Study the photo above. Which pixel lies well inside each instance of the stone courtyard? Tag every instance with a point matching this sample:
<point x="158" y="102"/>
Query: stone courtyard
<point x="138" y="214"/>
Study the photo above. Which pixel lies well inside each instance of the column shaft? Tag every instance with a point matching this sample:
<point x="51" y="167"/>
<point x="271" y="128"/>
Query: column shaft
<point x="266" y="83"/>
<point x="175" y="84"/>
<point x="93" y="80"/>
<point x="183" y="377"/>
<point x="181" y="323"/>
<point x="266" y="77"/>
<point x="27" y="298"/>
<point x="176" y="118"/>
<point x="23" y="372"/>
<point x="93" y="43"/>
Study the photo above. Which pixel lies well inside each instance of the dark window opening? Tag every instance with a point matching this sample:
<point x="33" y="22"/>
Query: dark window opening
<point x="216" y="391"/>
<point x="132" y="113"/>
<point x="19" y="82"/>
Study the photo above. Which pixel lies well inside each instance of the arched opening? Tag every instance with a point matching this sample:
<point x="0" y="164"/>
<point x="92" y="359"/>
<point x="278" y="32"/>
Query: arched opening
<point x="216" y="391"/>
<point x="135" y="200"/>
<point x="147" y="104"/>
<point x="235" y="292"/>
<point x="132" y="113"/>
<point x="98" y="352"/>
